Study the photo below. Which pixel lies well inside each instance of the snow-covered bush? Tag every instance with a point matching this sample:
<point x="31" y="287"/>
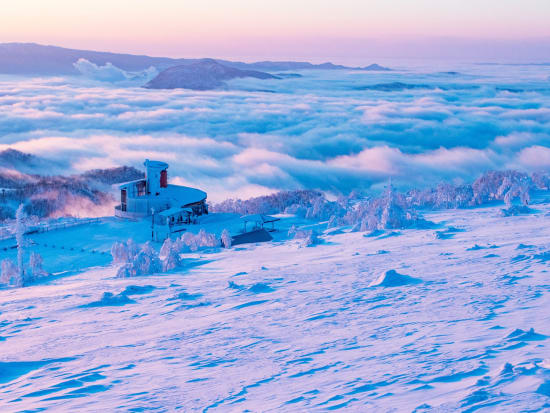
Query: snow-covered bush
<point x="333" y="222"/>
<point x="206" y="239"/>
<point x="270" y="204"/>
<point x="119" y="252"/>
<point x="145" y="262"/>
<point x="170" y="255"/>
<point x="36" y="269"/>
<point x="201" y="240"/>
<point x="322" y="210"/>
<point x="124" y="251"/>
<point x="307" y="237"/>
<point x="10" y="273"/>
<point x="515" y="210"/>
<point x="226" y="239"/>
<point x="496" y="185"/>
<point x="12" y="276"/>
<point x="391" y="210"/>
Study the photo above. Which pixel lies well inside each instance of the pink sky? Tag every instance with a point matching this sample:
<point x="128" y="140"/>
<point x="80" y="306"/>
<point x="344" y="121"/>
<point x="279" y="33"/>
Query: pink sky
<point x="291" y="28"/>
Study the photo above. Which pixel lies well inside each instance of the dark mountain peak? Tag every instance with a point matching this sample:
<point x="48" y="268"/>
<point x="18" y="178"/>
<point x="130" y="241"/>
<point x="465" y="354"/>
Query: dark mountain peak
<point x="12" y="157"/>
<point x="205" y="74"/>
<point x="376" y="67"/>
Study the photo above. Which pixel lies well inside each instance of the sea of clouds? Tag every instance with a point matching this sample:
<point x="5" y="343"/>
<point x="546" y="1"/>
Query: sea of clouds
<point x="328" y="130"/>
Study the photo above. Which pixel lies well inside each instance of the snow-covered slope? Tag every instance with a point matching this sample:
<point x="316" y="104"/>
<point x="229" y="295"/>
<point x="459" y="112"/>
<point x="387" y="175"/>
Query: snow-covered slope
<point x="280" y="327"/>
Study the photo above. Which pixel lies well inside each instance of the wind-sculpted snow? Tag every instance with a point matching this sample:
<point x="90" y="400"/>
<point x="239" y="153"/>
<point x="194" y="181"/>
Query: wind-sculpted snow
<point x="392" y="278"/>
<point x="326" y="130"/>
<point x="404" y="323"/>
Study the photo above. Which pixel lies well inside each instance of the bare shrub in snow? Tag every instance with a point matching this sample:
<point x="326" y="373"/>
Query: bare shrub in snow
<point x="226" y="238"/>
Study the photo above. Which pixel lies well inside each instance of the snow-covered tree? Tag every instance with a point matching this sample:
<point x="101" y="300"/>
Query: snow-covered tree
<point x="20" y="238"/>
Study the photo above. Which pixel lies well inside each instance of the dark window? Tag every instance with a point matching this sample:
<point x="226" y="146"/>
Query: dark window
<point x="141" y="188"/>
<point x="123" y="199"/>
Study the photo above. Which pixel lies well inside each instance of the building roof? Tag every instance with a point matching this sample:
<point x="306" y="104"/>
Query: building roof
<point x="155" y="164"/>
<point x="261" y="218"/>
<point x="179" y="196"/>
<point x="125" y="184"/>
<point x="175" y="211"/>
<point x="183" y="195"/>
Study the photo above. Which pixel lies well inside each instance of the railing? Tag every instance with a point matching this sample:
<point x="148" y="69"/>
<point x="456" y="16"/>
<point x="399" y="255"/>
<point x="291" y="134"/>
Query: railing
<point x="46" y="227"/>
<point x="128" y="215"/>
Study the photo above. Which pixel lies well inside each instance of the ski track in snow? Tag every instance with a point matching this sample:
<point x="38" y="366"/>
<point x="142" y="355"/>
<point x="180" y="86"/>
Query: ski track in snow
<point x="277" y="327"/>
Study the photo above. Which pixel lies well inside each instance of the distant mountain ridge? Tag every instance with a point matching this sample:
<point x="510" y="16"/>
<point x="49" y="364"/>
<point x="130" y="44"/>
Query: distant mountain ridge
<point x="206" y="74"/>
<point x="36" y="59"/>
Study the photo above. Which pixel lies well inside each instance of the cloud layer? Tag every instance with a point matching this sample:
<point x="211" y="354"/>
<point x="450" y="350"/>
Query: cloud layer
<point x="333" y="131"/>
<point x="111" y="73"/>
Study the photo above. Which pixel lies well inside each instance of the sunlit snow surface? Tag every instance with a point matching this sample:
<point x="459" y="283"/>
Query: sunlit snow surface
<point x="276" y="327"/>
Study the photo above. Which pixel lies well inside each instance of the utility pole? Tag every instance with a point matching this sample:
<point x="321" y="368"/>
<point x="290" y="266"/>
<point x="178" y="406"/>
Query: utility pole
<point x="152" y="224"/>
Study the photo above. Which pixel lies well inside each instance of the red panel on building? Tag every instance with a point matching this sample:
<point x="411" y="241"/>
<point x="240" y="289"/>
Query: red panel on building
<point x="164" y="179"/>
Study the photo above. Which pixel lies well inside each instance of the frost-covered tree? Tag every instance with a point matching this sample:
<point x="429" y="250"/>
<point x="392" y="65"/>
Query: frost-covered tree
<point x="20" y="238"/>
<point x="226" y="238"/>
